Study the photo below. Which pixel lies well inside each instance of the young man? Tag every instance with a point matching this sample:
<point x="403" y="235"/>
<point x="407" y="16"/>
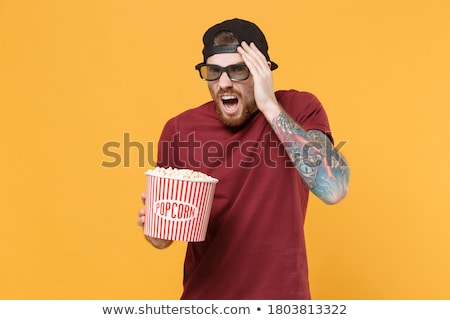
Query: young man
<point x="268" y="149"/>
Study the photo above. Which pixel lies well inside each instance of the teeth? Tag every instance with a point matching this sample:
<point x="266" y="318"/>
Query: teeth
<point x="228" y="97"/>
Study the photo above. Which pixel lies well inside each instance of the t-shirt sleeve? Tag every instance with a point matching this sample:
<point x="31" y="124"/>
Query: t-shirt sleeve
<point x="307" y="110"/>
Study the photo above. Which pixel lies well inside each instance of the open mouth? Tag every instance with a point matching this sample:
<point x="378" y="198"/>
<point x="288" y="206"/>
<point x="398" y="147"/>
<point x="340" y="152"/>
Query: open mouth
<point x="230" y="103"/>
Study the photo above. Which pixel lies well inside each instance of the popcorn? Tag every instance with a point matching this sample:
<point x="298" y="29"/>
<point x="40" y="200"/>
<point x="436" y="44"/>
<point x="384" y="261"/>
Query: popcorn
<point x="184" y="174"/>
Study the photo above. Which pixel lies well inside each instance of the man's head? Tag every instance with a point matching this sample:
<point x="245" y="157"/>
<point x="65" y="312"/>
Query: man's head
<point x="242" y="30"/>
<point x="229" y="80"/>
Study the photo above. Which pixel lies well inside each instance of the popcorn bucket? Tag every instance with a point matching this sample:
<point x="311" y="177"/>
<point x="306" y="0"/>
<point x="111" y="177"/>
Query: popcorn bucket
<point x="178" y="208"/>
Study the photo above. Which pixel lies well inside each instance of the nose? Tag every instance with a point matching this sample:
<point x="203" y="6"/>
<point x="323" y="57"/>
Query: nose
<point x="225" y="81"/>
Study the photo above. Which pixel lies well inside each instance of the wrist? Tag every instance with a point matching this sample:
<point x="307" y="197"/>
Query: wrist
<point x="271" y="111"/>
<point x="158" y="243"/>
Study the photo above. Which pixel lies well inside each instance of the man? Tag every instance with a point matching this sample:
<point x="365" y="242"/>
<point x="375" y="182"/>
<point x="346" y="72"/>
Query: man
<point x="268" y="149"/>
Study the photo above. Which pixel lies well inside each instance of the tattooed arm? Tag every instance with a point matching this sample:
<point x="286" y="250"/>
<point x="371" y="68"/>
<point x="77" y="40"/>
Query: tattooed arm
<point x="321" y="166"/>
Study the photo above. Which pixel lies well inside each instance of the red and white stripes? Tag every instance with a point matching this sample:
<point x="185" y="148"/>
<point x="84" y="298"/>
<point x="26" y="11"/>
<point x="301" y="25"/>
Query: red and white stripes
<point x="178" y="209"/>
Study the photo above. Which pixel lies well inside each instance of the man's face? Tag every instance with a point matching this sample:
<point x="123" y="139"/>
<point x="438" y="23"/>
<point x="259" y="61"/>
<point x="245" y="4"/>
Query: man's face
<point x="234" y="100"/>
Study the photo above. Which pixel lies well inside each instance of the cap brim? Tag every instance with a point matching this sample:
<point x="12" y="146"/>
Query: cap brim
<point x="273" y="65"/>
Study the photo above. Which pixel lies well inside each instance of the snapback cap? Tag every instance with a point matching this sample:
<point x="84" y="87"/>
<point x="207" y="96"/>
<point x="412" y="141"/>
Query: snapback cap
<point x="243" y="31"/>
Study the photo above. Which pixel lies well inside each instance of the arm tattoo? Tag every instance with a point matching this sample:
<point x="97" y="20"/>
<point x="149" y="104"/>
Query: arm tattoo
<point x="321" y="166"/>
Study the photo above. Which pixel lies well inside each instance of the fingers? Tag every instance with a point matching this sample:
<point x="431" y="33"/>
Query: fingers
<point x="253" y="57"/>
<point x="141" y="219"/>
<point x="262" y="77"/>
<point x="141" y="213"/>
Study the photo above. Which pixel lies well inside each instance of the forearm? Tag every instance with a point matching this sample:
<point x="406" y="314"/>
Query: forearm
<point x="322" y="168"/>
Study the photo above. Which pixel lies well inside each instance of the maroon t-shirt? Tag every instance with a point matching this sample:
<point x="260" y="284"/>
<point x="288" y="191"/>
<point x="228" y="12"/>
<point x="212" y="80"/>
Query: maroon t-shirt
<point x="255" y="244"/>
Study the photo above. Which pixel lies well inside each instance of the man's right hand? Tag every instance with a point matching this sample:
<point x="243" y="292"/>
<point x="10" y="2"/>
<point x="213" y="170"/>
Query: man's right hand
<point x="157" y="243"/>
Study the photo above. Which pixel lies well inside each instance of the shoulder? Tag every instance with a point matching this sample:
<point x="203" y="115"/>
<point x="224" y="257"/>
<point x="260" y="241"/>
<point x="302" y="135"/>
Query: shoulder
<point x="299" y="104"/>
<point x="196" y="115"/>
<point x="204" y="110"/>
<point x="200" y="119"/>
<point x="292" y="97"/>
<point x="305" y="108"/>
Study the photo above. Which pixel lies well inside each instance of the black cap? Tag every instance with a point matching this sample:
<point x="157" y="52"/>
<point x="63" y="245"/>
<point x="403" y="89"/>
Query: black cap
<point x="243" y="31"/>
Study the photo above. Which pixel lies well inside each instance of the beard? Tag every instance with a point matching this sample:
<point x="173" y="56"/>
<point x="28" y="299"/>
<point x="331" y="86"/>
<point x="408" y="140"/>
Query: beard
<point x="249" y="107"/>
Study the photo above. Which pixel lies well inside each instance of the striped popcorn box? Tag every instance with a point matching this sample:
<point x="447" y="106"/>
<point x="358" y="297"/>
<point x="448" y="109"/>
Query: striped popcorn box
<point x="178" y="204"/>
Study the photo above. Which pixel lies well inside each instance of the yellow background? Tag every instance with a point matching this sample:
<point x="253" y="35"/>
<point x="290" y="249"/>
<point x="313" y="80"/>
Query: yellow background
<point x="76" y="74"/>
